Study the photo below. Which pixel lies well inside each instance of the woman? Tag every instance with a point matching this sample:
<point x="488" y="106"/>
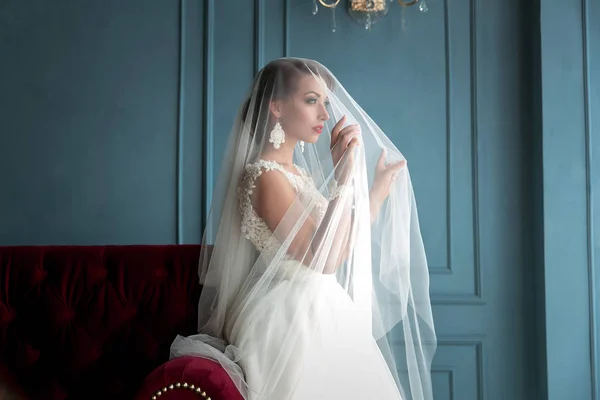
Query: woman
<point x="317" y="283"/>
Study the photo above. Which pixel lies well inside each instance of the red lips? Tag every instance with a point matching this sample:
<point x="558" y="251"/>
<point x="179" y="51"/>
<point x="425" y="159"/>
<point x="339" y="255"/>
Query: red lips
<point x="318" y="128"/>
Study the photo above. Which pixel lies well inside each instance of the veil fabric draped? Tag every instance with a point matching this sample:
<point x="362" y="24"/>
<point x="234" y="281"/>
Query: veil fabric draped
<point x="335" y="289"/>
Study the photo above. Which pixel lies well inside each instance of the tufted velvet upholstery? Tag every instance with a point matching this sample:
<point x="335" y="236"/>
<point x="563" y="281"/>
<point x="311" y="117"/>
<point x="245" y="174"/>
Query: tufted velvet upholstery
<point x="80" y="322"/>
<point x="207" y="375"/>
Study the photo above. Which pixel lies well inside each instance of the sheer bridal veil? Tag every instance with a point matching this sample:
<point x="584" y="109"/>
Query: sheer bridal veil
<point x="376" y="256"/>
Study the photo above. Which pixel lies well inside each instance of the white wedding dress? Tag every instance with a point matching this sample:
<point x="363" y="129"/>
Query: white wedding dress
<point x="332" y="354"/>
<point x="280" y="328"/>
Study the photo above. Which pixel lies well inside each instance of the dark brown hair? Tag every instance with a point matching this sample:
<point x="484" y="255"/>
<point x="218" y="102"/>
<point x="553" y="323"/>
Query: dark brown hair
<point x="277" y="81"/>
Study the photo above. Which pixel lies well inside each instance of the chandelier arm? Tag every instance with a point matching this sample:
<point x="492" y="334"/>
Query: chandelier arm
<point x="331" y="5"/>
<point x="406" y="3"/>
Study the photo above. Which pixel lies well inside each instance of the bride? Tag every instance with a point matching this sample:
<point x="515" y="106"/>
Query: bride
<point x="315" y="280"/>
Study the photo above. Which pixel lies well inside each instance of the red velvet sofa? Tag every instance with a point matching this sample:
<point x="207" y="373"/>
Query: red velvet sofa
<point x="79" y="322"/>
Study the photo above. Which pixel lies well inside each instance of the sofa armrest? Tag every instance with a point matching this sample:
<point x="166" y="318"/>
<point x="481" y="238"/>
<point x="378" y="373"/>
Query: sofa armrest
<point x="189" y="377"/>
<point x="10" y="389"/>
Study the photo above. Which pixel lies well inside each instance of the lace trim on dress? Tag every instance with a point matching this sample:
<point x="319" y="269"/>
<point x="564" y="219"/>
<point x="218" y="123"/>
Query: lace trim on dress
<point x="253" y="227"/>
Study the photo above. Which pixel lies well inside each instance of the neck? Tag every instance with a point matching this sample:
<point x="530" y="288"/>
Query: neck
<point x="284" y="155"/>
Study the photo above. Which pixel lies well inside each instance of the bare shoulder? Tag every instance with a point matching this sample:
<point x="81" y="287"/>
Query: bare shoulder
<point x="272" y="188"/>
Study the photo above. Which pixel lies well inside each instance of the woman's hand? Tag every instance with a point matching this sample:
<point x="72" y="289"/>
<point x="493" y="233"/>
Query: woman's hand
<point x="344" y="140"/>
<point x="382" y="184"/>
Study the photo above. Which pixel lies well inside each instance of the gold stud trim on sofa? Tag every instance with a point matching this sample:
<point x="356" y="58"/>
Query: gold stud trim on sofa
<point x="179" y="385"/>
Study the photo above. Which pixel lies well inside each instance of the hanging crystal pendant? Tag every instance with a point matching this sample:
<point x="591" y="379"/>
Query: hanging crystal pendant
<point x="367" y="12"/>
<point x="333" y="26"/>
<point x="403" y="21"/>
<point x="315" y="9"/>
<point x="423" y="6"/>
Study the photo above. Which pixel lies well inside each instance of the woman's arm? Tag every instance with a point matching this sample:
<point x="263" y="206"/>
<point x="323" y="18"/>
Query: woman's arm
<point x="384" y="178"/>
<point x="314" y="244"/>
<point x="385" y="175"/>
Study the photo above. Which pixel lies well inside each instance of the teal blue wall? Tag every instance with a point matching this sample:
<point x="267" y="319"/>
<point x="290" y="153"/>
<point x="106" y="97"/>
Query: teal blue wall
<point x="114" y="115"/>
<point x="570" y="172"/>
<point x="90" y="107"/>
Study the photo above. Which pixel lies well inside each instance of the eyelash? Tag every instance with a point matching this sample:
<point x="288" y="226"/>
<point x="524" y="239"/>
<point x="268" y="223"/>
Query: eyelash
<point x="313" y="100"/>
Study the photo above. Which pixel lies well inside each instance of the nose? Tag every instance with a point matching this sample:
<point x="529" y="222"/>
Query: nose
<point x="323" y="114"/>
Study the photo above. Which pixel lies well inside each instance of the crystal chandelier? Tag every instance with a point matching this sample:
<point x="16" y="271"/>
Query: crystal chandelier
<point x="367" y="12"/>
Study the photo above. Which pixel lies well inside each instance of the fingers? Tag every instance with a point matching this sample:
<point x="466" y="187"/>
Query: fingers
<point x="354" y="142"/>
<point x="343" y="136"/>
<point x="381" y="161"/>
<point x="397" y="166"/>
<point x="336" y="130"/>
<point x="348" y="134"/>
<point x="394" y="170"/>
<point x="391" y="170"/>
<point x="349" y="140"/>
<point x="381" y="164"/>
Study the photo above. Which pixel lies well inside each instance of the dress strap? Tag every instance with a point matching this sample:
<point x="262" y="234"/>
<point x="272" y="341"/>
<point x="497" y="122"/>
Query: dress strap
<point x="253" y="172"/>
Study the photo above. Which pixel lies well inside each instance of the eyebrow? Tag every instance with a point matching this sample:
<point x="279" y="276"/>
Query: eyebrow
<point x="317" y="94"/>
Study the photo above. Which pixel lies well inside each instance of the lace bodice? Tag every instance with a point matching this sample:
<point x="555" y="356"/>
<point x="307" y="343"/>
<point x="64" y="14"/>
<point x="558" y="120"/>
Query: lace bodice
<point x="253" y="226"/>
